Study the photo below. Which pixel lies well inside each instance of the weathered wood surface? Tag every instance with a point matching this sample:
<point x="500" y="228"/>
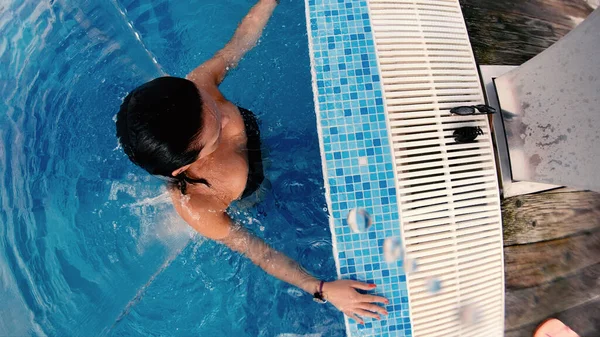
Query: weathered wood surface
<point x="548" y="216"/>
<point x="542" y="262"/>
<point x="532" y="305"/>
<point x="584" y="319"/>
<point x="552" y="260"/>
<point x="510" y="32"/>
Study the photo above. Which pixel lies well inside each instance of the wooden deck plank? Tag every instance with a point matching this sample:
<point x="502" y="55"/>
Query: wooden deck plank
<point x="548" y="216"/>
<point x="583" y="319"/>
<point x="532" y="305"/>
<point x="552" y="257"/>
<point x="510" y="32"/>
<point x="542" y="262"/>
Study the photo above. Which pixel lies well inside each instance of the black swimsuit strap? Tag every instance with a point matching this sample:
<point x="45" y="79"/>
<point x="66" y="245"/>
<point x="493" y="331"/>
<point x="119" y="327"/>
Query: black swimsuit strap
<point x="255" y="163"/>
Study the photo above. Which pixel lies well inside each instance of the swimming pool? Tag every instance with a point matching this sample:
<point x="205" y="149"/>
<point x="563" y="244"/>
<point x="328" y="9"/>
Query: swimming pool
<point x="89" y="243"/>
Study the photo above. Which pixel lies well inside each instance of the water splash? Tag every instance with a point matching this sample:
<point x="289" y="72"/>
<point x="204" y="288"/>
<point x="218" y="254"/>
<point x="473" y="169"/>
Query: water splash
<point x="138" y="37"/>
<point x="359" y="220"/>
<point x="392" y="250"/>
<point x="469" y="315"/>
<point x="433" y="285"/>
<point x="410" y="265"/>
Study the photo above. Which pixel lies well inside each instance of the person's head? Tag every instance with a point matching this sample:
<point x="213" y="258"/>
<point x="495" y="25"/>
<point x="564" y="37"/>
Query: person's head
<point x="167" y="124"/>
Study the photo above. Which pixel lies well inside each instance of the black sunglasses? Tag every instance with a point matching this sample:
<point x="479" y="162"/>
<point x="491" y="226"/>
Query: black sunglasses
<point x="471" y="110"/>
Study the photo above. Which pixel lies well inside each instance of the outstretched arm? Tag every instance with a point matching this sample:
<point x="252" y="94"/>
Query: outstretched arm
<point x="247" y="34"/>
<point x="207" y="216"/>
<point x="271" y="261"/>
<point x="342" y="293"/>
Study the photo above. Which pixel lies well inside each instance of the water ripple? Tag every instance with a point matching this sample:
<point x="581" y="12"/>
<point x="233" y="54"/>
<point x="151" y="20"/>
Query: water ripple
<point x="52" y="57"/>
<point x="88" y="241"/>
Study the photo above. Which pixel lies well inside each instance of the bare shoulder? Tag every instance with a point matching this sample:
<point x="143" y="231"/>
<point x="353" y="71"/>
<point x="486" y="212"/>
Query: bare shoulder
<point x="208" y="85"/>
<point x="205" y="213"/>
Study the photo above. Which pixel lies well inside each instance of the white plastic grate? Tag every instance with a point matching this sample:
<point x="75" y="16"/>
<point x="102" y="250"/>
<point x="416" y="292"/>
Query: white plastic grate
<point x="447" y="192"/>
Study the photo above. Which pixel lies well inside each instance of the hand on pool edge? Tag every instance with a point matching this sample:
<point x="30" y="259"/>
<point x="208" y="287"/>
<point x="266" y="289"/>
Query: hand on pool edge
<point x="344" y="296"/>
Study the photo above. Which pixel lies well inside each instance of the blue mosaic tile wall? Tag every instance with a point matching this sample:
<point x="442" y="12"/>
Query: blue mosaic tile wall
<point x="358" y="164"/>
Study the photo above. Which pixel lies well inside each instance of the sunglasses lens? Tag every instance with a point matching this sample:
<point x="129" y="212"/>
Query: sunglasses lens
<point x="462" y="110"/>
<point x="486" y="109"/>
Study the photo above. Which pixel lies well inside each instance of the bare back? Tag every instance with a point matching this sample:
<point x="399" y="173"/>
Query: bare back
<point x="226" y="168"/>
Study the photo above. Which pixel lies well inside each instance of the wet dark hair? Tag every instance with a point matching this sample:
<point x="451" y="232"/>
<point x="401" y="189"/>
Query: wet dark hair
<point x="156" y="124"/>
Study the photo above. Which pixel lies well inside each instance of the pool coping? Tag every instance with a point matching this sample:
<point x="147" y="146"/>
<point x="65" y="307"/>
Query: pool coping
<point x="366" y="159"/>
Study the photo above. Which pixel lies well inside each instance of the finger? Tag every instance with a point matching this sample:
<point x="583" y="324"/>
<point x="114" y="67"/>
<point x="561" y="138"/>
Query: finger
<point x="373" y="308"/>
<point x="373" y="299"/>
<point x="365" y="313"/>
<point x="363" y="286"/>
<point x="354" y="317"/>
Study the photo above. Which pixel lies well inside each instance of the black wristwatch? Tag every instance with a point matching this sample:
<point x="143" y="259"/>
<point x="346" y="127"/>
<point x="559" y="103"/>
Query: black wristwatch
<point x="318" y="296"/>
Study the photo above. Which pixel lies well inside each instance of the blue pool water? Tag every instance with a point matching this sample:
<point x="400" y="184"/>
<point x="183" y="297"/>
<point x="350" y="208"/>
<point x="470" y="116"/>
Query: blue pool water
<point x="89" y="243"/>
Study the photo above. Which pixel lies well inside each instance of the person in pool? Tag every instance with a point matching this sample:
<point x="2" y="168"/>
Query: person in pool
<point x="208" y="148"/>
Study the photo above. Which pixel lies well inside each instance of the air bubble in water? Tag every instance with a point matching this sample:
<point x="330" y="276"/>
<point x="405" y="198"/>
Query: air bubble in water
<point x="392" y="250"/>
<point x="359" y="220"/>
<point x="433" y="285"/>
